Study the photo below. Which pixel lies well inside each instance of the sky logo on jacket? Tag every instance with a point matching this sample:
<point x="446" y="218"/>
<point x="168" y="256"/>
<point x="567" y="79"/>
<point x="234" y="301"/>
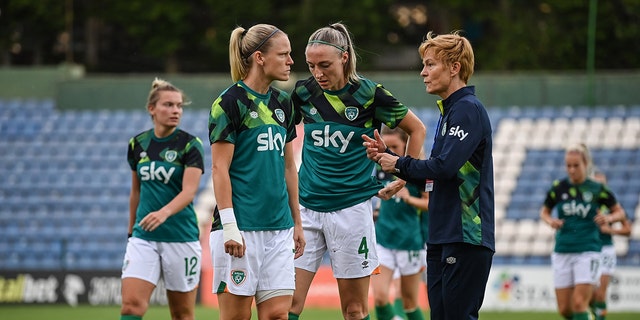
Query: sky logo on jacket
<point x="457" y="132"/>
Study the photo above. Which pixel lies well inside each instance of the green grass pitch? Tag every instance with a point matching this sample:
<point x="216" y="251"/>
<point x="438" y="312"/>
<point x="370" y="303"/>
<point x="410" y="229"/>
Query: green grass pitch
<point x="62" y="312"/>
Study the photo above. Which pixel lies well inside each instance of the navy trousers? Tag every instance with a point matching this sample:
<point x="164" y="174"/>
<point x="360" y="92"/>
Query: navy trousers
<point x="457" y="276"/>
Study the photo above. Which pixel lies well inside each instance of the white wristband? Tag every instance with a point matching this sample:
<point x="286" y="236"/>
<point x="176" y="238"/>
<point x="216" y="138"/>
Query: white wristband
<point x="227" y="216"/>
<point x="230" y="229"/>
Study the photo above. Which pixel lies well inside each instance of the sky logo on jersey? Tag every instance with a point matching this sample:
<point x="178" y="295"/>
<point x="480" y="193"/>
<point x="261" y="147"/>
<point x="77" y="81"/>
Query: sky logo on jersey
<point x="151" y="173"/>
<point x="269" y="141"/>
<point x="324" y="138"/>
<point x="457" y="132"/>
<point x="576" y="209"/>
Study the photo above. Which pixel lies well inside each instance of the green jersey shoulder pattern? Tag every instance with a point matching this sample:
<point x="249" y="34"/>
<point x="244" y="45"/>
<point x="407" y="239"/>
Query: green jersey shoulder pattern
<point x="399" y="224"/>
<point x="335" y="172"/>
<point x="577" y="205"/>
<point x="160" y="164"/>
<point x="259" y="126"/>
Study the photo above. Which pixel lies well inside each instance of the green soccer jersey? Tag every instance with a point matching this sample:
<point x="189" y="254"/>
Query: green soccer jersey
<point x="399" y="224"/>
<point x="606" y="238"/>
<point x="259" y="126"/>
<point x="335" y="172"/>
<point x="577" y="205"/>
<point x="160" y="164"/>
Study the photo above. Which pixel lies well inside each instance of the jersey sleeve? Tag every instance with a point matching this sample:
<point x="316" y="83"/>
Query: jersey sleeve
<point x="388" y="109"/>
<point x="224" y="119"/>
<point x="550" y="199"/>
<point x="133" y="164"/>
<point x="606" y="197"/>
<point x="292" y="119"/>
<point x="194" y="154"/>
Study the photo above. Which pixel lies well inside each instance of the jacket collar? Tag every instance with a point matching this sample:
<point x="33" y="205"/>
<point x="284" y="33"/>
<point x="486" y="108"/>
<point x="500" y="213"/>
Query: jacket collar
<point x="445" y="104"/>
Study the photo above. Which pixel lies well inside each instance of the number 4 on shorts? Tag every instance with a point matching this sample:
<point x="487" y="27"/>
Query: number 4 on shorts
<point x="363" y="249"/>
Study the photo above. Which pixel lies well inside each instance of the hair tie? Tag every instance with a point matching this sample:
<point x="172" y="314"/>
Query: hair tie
<point x="327" y="43"/>
<point x="244" y="33"/>
<point x="246" y="57"/>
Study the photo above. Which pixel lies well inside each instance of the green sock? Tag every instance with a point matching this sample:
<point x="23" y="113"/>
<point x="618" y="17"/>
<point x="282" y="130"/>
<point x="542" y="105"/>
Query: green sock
<point x="398" y="307"/>
<point x="366" y="318"/>
<point x="600" y="310"/>
<point x="582" y="316"/>
<point x="293" y="316"/>
<point x="384" y="312"/>
<point x="130" y="317"/>
<point x="416" y="314"/>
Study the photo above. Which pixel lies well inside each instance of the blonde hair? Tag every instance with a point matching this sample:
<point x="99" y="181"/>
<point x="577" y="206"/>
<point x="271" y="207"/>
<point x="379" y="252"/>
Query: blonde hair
<point x="162" y="85"/>
<point x="583" y="150"/>
<point x="451" y="48"/>
<point x="243" y="43"/>
<point x="337" y="36"/>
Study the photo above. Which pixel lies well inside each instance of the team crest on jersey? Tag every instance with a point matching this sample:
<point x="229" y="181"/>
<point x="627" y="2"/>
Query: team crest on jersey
<point x="313" y="111"/>
<point x="444" y="129"/>
<point x="351" y="113"/>
<point x="280" y="115"/>
<point x="238" y="276"/>
<point x="587" y="196"/>
<point x="143" y="154"/>
<point x="170" y="155"/>
<point x="253" y="114"/>
<point x="565" y="196"/>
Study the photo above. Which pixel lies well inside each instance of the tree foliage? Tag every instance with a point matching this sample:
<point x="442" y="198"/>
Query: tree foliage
<point x="192" y="36"/>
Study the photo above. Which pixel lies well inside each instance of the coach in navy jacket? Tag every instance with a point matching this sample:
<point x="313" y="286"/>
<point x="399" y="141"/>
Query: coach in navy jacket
<point x="459" y="175"/>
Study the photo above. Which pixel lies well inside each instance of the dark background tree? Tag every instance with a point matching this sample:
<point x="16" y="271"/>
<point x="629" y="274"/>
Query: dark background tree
<point x="122" y="36"/>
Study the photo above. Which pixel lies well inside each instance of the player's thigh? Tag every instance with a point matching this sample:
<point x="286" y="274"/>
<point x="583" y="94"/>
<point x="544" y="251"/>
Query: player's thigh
<point x="608" y="261"/>
<point x="562" y="265"/>
<point x="411" y="262"/>
<point x="182" y="304"/>
<point x="233" y="306"/>
<point x="316" y="245"/>
<point x="238" y="276"/>
<point x="181" y="265"/>
<point x="276" y="270"/>
<point x="586" y="269"/>
<point x="351" y="241"/>
<point x="142" y="261"/>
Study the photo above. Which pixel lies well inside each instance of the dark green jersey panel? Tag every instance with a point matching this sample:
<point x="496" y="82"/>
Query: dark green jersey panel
<point x="160" y="164"/>
<point x="577" y="206"/>
<point x="259" y="126"/>
<point x="399" y="224"/>
<point x="335" y="172"/>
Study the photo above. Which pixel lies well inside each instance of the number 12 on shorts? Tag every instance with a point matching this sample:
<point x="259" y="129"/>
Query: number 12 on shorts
<point x="190" y="265"/>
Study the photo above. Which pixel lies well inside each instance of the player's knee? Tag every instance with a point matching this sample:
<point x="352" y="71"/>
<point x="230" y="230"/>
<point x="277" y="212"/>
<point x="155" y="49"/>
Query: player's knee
<point x="182" y="314"/>
<point x="380" y="299"/>
<point x="354" y="311"/>
<point x="134" y="307"/>
<point x="566" y="312"/>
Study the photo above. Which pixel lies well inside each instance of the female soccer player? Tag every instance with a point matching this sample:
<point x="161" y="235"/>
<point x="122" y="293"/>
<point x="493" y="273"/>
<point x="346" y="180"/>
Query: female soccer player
<point x="257" y="232"/>
<point x="401" y="246"/>
<point x="576" y="256"/>
<point x="166" y="165"/>
<point x="336" y="182"/>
